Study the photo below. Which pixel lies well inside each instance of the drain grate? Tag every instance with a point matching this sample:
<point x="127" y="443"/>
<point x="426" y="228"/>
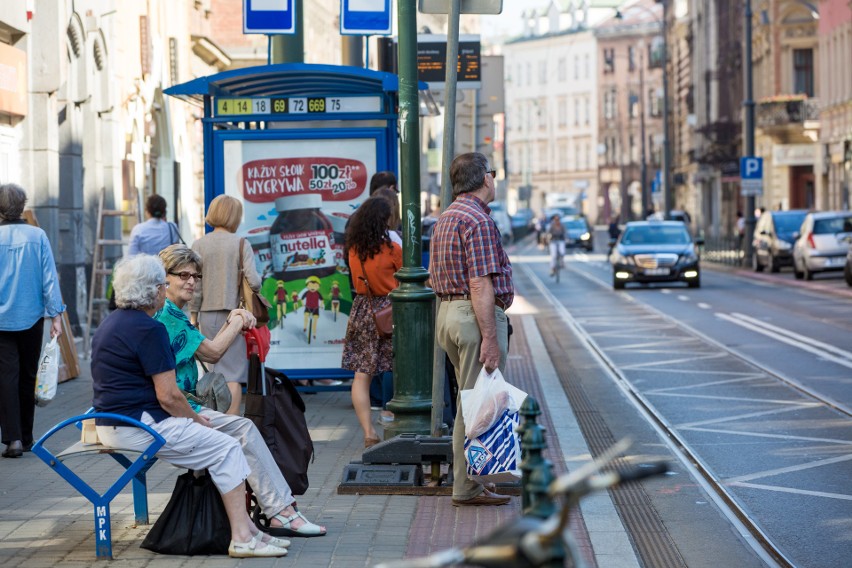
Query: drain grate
<point x="650" y="538"/>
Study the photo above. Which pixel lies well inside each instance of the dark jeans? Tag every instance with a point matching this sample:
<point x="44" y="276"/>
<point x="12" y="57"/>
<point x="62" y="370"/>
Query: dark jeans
<point x="381" y="389"/>
<point x="19" y="353"/>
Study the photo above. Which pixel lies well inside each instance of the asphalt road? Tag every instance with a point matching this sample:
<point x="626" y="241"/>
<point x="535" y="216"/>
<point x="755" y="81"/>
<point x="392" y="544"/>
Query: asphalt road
<point x="752" y="375"/>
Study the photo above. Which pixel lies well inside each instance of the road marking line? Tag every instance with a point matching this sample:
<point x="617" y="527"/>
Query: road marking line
<point x="791" y="341"/>
<point x="789" y="469"/>
<point x="786" y="437"/>
<point x="683" y="298"/>
<point x="739" y="398"/>
<point x="665" y="291"/>
<point x="795" y="491"/>
<point x="793" y="335"/>
<point x="704" y="306"/>
<point x="746" y="377"/>
<point x="673" y="361"/>
<point x="749" y="415"/>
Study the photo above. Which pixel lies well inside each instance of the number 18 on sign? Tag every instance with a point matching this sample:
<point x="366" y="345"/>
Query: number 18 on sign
<point x="751" y="175"/>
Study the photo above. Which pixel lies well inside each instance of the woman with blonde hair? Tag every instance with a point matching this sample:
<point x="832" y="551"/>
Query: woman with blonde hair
<point x="217" y="294"/>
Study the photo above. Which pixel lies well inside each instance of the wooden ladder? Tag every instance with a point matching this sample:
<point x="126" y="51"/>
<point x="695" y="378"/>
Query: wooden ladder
<point x="101" y="268"/>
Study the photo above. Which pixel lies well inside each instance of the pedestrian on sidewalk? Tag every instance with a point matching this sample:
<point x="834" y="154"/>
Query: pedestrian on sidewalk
<point x="374" y="258"/>
<point x="218" y="294"/>
<point x="156" y="233"/>
<point x="29" y="291"/>
<point x="472" y="275"/>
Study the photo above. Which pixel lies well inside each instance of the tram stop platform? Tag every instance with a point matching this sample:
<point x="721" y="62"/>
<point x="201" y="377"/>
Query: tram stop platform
<point x="44" y="522"/>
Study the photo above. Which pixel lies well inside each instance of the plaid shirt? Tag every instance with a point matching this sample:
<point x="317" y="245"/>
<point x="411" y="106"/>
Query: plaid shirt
<point x="466" y="244"/>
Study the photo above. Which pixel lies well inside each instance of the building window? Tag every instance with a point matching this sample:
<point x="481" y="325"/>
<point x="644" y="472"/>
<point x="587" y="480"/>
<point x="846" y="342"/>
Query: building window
<point x="586" y="60"/>
<point x="562" y="111"/>
<point x="655" y="52"/>
<point x="609" y="60"/>
<point x="633" y="105"/>
<point x="542" y="72"/>
<point x="631" y="58"/>
<point x="576" y="111"/>
<point x="588" y="104"/>
<point x="803" y="72"/>
<point x="609" y="103"/>
<point x="656" y="103"/>
<point x="562" y="70"/>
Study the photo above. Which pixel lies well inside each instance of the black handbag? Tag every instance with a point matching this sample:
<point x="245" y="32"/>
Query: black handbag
<point x="279" y="414"/>
<point x="193" y="522"/>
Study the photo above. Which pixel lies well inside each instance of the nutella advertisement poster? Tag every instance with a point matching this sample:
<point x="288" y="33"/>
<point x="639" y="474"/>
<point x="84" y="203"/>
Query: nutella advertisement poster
<point x="297" y="197"/>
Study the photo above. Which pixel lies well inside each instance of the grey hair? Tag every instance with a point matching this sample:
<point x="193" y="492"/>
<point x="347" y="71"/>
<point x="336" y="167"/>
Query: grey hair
<point x="135" y="281"/>
<point x="13" y="198"/>
<point x="177" y="255"/>
<point x="467" y="172"/>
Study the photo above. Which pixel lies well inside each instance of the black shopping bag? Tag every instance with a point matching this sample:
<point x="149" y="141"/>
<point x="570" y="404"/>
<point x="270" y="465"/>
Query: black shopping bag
<point x="193" y="522"/>
<point x="279" y="413"/>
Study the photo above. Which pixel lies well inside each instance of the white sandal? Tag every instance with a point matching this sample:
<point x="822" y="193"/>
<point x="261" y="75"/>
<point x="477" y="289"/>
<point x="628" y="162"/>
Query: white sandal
<point x="307" y="530"/>
<point x="250" y="549"/>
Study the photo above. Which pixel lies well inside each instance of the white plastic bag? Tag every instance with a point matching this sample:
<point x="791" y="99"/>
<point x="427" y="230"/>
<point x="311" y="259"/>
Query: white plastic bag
<point x="48" y="374"/>
<point x="483" y="405"/>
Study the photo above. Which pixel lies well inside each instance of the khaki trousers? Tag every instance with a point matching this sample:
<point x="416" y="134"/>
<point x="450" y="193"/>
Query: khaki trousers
<point x="458" y="334"/>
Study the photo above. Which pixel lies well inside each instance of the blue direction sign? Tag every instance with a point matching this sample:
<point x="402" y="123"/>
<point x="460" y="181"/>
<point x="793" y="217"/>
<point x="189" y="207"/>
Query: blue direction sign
<point x="751" y="175"/>
<point x="365" y="17"/>
<point x="269" y="17"/>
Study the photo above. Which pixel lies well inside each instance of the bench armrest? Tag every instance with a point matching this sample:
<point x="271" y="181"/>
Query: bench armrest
<point x="153" y="448"/>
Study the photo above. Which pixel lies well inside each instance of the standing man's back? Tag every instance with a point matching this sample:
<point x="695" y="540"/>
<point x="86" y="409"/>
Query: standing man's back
<point x="472" y="275"/>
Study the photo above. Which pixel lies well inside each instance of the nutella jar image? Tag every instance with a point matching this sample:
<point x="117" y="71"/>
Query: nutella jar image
<point x="338" y="225"/>
<point x="258" y="238"/>
<point x="301" y="239"/>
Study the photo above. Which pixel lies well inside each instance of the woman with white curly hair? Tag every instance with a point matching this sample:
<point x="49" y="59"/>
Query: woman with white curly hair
<point x="133" y="373"/>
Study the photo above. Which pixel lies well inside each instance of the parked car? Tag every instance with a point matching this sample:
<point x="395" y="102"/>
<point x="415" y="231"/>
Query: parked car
<point x="847" y="271"/>
<point x="523" y="222"/>
<point x="655" y="251"/>
<point x="823" y="243"/>
<point x="579" y="232"/>
<point x="774" y="238"/>
<point x="504" y="223"/>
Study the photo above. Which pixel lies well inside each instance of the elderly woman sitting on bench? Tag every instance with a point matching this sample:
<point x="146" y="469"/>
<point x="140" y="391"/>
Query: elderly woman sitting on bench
<point x="133" y="372"/>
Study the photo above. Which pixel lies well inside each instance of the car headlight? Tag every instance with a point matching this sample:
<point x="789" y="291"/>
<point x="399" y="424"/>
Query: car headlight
<point x="688" y="257"/>
<point x="585" y="237"/>
<point x="784" y="245"/>
<point x="623" y="259"/>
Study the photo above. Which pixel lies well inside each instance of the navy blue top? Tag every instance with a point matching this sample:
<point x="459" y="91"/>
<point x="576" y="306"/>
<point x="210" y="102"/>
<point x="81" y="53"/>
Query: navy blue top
<point x="127" y="349"/>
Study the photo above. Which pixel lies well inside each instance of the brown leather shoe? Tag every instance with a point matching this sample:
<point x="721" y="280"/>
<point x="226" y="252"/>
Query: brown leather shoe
<point x="485" y="498"/>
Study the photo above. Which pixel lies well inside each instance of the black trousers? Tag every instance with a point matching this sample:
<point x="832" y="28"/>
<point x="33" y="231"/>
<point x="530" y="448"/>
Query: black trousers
<point x="19" y="353"/>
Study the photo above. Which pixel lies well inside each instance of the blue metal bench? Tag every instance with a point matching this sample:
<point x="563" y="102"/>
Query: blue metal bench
<point x="134" y="470"/>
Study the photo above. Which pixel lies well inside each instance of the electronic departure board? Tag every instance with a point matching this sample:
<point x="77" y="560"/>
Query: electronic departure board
<point x="243" y="106"/>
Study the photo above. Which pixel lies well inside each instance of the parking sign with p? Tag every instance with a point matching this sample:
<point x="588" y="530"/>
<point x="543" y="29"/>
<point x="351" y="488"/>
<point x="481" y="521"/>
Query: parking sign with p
<point x="751" y="175"/>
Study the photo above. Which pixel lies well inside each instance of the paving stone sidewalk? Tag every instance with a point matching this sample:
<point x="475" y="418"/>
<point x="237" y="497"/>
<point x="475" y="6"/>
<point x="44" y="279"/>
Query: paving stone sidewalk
<point x="44" y="522"/>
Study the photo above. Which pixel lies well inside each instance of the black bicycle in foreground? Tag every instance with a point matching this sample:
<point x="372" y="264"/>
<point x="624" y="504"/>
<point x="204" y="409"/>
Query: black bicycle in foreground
<point x="530" y="542"/>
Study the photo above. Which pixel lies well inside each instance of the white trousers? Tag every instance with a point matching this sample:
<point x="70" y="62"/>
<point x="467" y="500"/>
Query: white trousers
<point x="556" y="247"/>
<point x="227" y="435"/>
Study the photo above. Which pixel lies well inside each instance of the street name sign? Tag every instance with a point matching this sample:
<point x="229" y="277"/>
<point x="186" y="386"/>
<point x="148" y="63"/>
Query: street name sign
<point x="467" y="6"/>
<point x="751" y="176"/>
<point x="365" y="17"/>
<point x="269" y="17"/>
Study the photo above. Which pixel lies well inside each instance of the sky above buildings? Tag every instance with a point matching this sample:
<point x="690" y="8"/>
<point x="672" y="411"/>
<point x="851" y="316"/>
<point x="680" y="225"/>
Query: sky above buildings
<point x="509" y="22"/>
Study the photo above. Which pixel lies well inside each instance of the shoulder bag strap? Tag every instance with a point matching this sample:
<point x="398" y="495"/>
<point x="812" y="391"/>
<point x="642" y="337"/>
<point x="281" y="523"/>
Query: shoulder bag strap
<point x="240" y="275"/>
<point x="366" y="283"/>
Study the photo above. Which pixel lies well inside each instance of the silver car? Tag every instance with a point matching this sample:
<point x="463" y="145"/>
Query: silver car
<point x="822" y="243"/>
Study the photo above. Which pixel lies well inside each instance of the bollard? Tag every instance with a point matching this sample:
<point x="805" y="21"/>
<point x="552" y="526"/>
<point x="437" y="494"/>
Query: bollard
<point x="530" y="410"/>
<point x="540" y="475"/>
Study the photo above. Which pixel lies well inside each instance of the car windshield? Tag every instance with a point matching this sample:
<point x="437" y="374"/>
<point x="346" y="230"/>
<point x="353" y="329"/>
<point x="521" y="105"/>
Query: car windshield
<point x="788" y="222"/>
<point x="575" y="224"/>
<point x="655" y="235"/>
<point x="832" y="226"/>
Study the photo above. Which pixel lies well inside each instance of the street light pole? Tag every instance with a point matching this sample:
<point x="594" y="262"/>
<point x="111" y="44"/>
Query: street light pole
<point x="643" y="172"/>
<point x="748" y="134"/>
<point x="668" y="190"/>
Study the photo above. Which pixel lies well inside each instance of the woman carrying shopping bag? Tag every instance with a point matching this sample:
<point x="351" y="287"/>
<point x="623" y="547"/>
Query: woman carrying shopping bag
<point x="29" y="290"/>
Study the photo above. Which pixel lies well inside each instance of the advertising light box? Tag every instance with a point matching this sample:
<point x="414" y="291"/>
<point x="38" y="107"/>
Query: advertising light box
<point x="298" y="194"/>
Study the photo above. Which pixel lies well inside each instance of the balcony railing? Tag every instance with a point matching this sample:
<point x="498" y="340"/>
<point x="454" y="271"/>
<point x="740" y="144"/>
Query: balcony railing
<point x="786" y="112"/>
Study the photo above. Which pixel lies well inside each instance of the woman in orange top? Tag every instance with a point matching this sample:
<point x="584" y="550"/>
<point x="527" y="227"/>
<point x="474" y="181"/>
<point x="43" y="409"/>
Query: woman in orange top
<point x="370" y="250"/>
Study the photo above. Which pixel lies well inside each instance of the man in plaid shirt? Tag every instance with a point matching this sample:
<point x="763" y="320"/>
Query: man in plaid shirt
<point x="472" y="275"/>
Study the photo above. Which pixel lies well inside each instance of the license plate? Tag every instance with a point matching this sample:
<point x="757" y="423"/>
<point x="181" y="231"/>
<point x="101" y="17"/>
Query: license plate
<point x="835" y="261"/>
<point x="657" y="271"/>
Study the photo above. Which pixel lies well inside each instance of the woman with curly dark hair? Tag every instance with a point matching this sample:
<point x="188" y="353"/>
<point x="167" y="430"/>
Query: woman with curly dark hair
<point x="373" y="258"/>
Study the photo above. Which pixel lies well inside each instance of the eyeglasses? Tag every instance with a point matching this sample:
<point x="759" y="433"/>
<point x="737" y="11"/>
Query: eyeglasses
<point x="163" y="284"/>
<point x="492" y="172"/>
<point x="187" y="275"/>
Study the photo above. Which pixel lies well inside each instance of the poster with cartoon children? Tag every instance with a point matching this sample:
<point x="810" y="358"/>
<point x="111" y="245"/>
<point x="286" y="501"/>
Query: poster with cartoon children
<point x="297" y="197"/>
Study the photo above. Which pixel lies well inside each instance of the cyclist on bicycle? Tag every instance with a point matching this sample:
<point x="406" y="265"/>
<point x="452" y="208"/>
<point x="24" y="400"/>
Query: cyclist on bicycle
<point x="556" y="232"/>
